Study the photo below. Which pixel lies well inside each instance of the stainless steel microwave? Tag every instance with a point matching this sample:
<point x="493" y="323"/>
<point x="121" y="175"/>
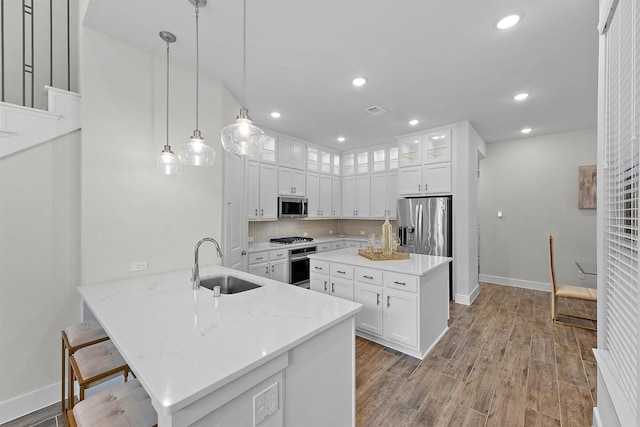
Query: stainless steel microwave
<point x="292" y="207"/>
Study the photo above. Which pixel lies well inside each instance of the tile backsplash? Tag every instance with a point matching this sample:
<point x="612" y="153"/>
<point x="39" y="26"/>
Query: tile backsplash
<point x="262" y="231"/>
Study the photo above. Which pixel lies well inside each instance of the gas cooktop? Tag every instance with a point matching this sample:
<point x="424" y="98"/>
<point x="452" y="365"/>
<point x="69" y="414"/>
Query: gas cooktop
<point x="291" y="240"/>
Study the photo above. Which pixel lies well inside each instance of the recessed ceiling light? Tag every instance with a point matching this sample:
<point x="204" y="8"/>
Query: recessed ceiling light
<point x="359" y="81"/>
<point x="526" y="130"/>
<point x="508" y="22"/>
<point x="521" y="96"/>
<point x="275" y="115"/>
<point x="414" y="122"/>
<point x="341" y="139"/>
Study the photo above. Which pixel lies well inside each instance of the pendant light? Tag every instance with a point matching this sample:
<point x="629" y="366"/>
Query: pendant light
<point x="167" y="163"/>
<point x="242" y="137"/>
<point x="196" y="152"/>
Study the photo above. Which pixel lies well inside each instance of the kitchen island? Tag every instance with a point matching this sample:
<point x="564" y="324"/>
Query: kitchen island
<point x="203" y="360"/>
<point x="405" y="302"/>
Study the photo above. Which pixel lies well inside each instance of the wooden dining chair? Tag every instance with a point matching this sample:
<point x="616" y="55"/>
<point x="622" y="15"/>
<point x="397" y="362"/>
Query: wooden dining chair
<point x="565" y="291"/>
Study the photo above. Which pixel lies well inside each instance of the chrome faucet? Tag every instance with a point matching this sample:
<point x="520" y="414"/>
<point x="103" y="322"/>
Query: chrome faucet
<point x="196" y="268"/>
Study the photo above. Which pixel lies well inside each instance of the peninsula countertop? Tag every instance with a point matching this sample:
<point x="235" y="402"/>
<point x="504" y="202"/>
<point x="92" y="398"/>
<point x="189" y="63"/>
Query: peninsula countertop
<point x="417" y="264"/>
<point x="184" y="344"/>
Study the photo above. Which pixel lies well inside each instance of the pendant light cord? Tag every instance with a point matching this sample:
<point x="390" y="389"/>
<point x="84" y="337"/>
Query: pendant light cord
<point x="167" y="144"/>
<point x="197" y="64"/>
<point x="244" y="52"/>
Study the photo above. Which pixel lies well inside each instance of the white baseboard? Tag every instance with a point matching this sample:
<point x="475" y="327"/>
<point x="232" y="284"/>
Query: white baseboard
<point x="516" y="283"/>
<point x="467" y="299"/>
<point x="30" y="402"/>
<point x="596" y="418"/>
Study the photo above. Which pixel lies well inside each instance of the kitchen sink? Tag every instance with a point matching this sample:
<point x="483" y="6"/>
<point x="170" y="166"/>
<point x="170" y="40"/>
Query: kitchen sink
<point x="228" y="284"/>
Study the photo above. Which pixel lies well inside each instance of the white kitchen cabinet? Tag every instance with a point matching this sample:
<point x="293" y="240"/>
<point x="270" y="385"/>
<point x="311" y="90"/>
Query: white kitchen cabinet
<point x="425" y="148"/>
<point x="354" y="244"/>
<point x="270" y="150"/>
<point x="291" y="182"/>
<point x="370" y="318"/>
<point x="270" y="264"/>
<point x="336" y="196"/>
<point x="425" y="180"/>
<point x="319" y="283"/>
<point x="337" y="245"/>
<point x="313" y="194"/>
<point x="319" y="188"/>
<point x="400" y="317"/>
<point x="356" y="196"/>
<point x="291" y="153"/>
<point x="313" y="158"/>
<point x="262" y="195"/>
<point x="341" y="288"/>
<point x="322" y="247"/>
<point x="384" y="158"/>
<point x="409" y="150"/>
<point x="384" y="191"/>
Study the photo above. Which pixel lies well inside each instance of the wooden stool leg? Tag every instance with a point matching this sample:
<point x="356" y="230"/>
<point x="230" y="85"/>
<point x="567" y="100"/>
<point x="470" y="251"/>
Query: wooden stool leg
<point x="63" y="376"/>
<point x="70" y="387"/>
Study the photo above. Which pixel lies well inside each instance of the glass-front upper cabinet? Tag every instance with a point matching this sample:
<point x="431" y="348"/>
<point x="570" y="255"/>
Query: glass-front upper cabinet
<point x="269" y="151"/>
<point x="312" y="159"/>
<point x="385" y="158"/>
<point x="325" y="161"/>
<point x="336" y="163"/>
<point x="409" y="152"/>
<point x="348" y="164"/>
<point x="438" y="147"/>
<point x="362" y="159"/>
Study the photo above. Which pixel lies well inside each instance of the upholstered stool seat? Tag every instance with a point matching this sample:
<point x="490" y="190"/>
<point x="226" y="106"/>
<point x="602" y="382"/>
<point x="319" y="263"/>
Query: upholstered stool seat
<point x="124" y="405"/>
<point x="75" y="337"/>
<point x="95" y="364"/>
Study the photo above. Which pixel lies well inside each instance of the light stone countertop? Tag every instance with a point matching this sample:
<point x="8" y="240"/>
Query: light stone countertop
<point x="184" y="344"/>
<point x="417" y="264"/>
<point x="267" y="246"/>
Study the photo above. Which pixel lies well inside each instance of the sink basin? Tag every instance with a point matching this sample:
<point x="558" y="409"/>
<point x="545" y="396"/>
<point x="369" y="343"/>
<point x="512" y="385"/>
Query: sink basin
<point x="228" y="284"/>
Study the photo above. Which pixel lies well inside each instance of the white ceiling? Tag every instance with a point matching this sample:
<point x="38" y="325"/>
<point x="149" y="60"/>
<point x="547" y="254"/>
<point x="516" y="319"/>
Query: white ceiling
<point x="439" y="61"/>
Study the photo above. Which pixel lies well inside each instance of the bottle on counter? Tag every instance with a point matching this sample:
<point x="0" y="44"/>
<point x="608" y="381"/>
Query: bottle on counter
<point x="386" y="236"/>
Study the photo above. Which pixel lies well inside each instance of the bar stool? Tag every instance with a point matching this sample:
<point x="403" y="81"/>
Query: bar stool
<point x="75" y="337"/>
<point x="124" y="405"/>
<point x="93" y="365"/>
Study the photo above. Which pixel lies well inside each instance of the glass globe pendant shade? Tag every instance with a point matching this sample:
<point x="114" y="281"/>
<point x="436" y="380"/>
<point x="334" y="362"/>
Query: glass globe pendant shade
<point x="196" y="152"/>
<point x="242" y="137"/>
<point x="168" y="163"/>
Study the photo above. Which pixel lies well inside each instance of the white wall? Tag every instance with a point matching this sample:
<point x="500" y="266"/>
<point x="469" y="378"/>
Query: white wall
<point x="534" y="182"/>
<point x="130" y="212"/>
<point x="39" y="269"/>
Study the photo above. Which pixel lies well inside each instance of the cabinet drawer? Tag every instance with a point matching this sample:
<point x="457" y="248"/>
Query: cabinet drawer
<point x="354" y="244"/>
<point x="320" y="267"/>
<point x="258" y="257"/>
<point x="280" y="254"/>
<point x="368" y="275"/>
<point x="322" y="247"/>
<point x="341" y="270"/>
<point x="337" y="245"/>
<point x="401" y="281"/>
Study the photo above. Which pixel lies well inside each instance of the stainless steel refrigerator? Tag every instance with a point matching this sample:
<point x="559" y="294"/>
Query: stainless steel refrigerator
<point x="424" y="227"/>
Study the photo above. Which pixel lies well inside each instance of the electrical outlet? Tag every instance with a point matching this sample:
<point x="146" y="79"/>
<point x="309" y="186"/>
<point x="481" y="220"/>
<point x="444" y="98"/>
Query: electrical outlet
<point x="305" y="234"/>
<point x="362" y="233"/>
<point x="265" y="404"/>
<point x="139" y="265"/>
<point x="250" y="239"/>
<point x="330" y="231"/>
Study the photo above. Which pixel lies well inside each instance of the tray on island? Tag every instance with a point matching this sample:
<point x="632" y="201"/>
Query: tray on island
<point x="395" y="256"/>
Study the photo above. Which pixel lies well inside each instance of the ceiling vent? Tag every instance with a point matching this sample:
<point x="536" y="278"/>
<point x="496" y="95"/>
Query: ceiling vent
<point x="375" y="110"/>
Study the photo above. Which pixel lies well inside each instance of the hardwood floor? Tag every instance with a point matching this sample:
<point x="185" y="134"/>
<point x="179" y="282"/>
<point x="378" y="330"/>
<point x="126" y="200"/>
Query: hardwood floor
<point x="502" y="363"/>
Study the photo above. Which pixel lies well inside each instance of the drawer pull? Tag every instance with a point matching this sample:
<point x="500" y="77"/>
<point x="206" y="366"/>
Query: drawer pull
<point x="279" y="254"/>
<point x="259" y="257"/>
<point x="368" y="277"/>
<point x="400" y="283"/>
<point x="341" y="272"/>
<point x="318" y="268"/>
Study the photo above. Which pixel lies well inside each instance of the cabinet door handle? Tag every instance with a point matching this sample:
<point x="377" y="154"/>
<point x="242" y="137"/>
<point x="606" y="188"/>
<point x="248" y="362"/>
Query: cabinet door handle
<point x="256" y="212"/>
<point x="418" y="187"/>
<point x="426" y="187"/>
<point x="388" y="301"/>
<point x="341" y="272"/>
<point x="333" y="288"/>
<point x="325" y="286"/>
<point x="272" y="267"/>
<point x="377" y="299"/>
<point x="267" y="270"/>
<point x="295" y="190"/>
<point x="400" y="283"/>
<point x="366" y="277"/>
<point x="261" y="212"/>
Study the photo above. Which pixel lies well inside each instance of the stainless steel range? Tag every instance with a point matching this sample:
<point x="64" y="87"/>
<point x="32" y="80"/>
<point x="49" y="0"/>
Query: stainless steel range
<point x="299" y="264"/>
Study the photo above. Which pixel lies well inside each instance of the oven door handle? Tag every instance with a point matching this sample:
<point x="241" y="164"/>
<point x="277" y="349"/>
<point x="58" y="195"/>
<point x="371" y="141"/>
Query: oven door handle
<point x="298" y="258"/>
